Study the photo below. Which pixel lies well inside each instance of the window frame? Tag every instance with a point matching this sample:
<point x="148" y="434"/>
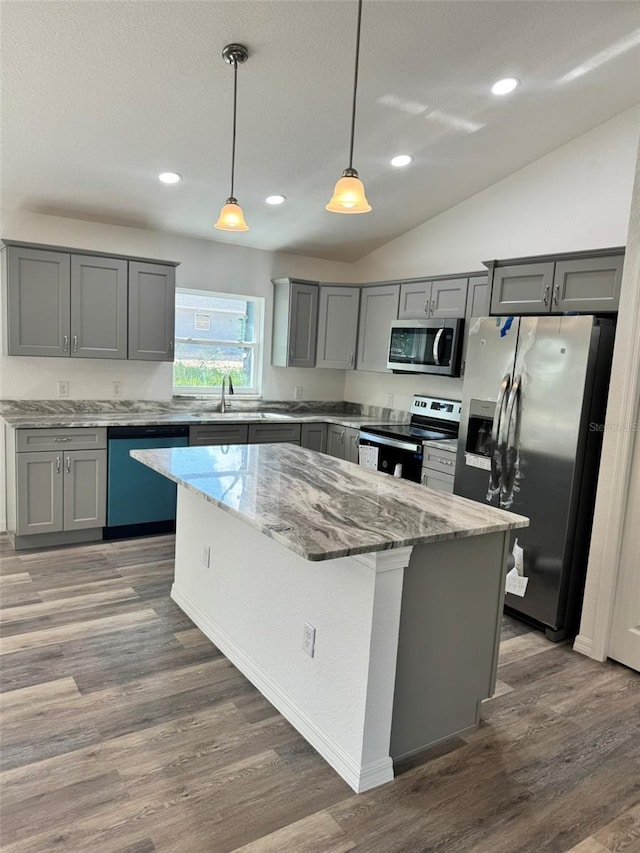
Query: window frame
<point x="255" y="391"/>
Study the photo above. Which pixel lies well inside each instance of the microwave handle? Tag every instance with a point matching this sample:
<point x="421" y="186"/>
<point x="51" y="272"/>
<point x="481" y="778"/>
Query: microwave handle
<point x="436" y="347"/>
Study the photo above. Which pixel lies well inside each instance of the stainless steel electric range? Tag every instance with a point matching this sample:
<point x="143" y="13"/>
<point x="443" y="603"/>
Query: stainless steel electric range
<point x="398" y="448"/>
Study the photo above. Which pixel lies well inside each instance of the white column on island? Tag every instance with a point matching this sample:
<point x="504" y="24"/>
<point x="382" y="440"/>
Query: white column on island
<point x="252" y="602"/>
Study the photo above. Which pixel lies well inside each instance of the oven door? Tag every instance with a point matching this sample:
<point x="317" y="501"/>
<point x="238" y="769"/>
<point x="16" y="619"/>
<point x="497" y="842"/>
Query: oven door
<point x="425" y="346"/>
<point x="393" y="452"/>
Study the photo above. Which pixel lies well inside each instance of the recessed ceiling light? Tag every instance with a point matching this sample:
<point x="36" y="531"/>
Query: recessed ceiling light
<point x="503" y="87"/>
<point x="401" y="160"/>
<point x="276" y="199"/>
<point x="170" y="177"/>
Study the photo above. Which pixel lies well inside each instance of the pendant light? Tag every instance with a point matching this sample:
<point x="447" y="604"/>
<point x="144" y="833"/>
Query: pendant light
<point x="231" y="216"/>
<point x="348" y="195"/>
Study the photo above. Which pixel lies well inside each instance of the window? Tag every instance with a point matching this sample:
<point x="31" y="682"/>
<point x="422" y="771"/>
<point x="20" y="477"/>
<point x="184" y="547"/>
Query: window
<point x="217" y="334"/>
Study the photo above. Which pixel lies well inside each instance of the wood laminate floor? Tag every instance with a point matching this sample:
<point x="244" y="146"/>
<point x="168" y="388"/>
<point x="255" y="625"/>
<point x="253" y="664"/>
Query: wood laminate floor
<point x="124" y="730"/>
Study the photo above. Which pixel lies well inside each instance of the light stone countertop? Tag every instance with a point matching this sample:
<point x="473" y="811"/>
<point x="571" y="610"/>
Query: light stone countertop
<point x="321" y="507"/>
<point x="53" y="420"/>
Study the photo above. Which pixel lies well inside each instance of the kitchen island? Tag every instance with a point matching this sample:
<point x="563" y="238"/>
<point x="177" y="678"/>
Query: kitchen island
<point x="367" y="609"/>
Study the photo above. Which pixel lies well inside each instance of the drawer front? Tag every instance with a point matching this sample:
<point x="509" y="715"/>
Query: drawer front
<point x="436" y="480"/>
<point x="265" y="433"/>
<point x="439" y="460"/>
<point x="218" y="434"/>
<point x="71" y="438"/>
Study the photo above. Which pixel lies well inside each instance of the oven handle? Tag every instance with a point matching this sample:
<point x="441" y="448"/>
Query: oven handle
<point x="390" y="442"/>
<point x="436" y="347"/>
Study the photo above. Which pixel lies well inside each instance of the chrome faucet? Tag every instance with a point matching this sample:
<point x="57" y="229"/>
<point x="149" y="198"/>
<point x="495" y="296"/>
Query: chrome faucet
<point x="223" y="402"/>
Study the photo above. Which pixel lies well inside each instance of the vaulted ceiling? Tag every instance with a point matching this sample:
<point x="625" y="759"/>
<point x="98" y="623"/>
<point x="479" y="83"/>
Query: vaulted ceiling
<point x="99" y="97"/>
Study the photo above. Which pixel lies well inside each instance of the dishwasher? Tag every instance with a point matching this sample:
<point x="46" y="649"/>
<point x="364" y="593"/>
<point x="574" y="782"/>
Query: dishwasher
<point x="140" y="501"/>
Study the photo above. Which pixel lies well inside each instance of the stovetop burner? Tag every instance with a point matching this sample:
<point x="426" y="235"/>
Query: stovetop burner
<point x="432" y="419"/>
<point x="409" y="431"/>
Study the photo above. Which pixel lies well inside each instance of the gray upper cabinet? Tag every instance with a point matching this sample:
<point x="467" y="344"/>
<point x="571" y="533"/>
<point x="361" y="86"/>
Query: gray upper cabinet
<point x="98" y="307"/>
<point x="295" y="323"/>
<point x="589" y="285"/>
<point x="579" y="282"/>
<point x="152" y="299"/>
<point x="522" y="289"/>
<point x="39" y="296"/>
<point x="378" y="308"/>
<point x="438" y="298"/>
<point x="337" y="327"/>
<point x="415" y="300"/>
<point x="71" y="303"/>
<point x="478" y="297"/>
<point x="448" y="298"/>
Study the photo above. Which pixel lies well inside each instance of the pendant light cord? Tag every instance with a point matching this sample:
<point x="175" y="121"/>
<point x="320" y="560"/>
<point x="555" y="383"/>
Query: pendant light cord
<point x="233" y="143"/>
<point x="355" y="85"/>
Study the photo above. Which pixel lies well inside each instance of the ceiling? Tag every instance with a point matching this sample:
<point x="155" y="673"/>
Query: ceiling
<point x="99" y="97"/>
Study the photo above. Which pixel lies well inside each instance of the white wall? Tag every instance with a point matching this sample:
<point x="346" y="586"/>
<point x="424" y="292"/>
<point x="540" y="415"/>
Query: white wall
<point x="577" y="197"/>
<point x="204" y="264"/>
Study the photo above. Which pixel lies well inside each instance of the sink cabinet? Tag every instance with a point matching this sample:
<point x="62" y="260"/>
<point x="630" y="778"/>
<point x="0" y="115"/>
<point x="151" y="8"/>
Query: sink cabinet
<point x="218" y="434"/>
<point x="268" y="433"/>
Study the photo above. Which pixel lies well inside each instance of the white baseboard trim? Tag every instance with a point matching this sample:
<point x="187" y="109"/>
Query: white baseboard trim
<point x="359" y="777"/>
<point x="584" y="645"/>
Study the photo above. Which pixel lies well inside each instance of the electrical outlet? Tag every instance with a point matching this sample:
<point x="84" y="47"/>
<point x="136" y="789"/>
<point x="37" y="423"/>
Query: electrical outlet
<point x="390" y="401"/>
<point x="205" y="556"/>
<point x="63" y="389"/>
<point x="297" y="392"/>
<point x="117" y="389"/>
<point x="309" y="639"/>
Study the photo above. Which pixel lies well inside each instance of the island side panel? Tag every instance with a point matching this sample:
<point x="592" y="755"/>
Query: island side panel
<point x="450" y="624"/>
<point x="252" y="603"/>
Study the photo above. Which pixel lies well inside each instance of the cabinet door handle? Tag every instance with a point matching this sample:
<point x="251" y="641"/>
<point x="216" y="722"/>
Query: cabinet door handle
<point x="427" y="303"/>
<point x="68" y="464"/>
<point x="351" y="359"/>
<point x="291" y="352"/>
<point x="65" y="343"/>
<point x="170" y="346"/>
<point x="445" y="461"/>
<point x="57" y="464"/>
<point x="423" y="480"/>
<point x="75" y="343"/>
<point x="556" y="294"/>
<point x="545" y="295"/>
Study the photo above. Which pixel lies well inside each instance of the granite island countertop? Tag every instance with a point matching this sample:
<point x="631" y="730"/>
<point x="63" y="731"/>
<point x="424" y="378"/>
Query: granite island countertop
<point x="321" y="507"/>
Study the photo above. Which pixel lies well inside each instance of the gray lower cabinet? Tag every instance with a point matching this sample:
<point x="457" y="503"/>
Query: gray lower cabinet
<point x="337" y="327"/>
<point x="60" y="490"/>
<point x="98" y="307"/>
<point x="586" y="283"/>
<point x="343" y="442"/>
<point x="151" y="311"/>
<point x="218" y="434"/>
<point x="438" y="298"/>
<point x="314" y="437"/>
<point x="270" y="433"/>
<point x="438" y="468"/>
<point x="295" y="323"/>
<point x="38" y="301"/>
<point x="378" y="309"/>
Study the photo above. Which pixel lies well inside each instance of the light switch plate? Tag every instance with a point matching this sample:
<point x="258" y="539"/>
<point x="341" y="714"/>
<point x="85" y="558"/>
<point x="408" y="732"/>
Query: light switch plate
<point x="63" y="389"/>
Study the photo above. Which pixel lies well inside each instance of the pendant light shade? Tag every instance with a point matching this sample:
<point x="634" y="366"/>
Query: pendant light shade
<point x="348" y="195"/>
<point x="231" y="216"/>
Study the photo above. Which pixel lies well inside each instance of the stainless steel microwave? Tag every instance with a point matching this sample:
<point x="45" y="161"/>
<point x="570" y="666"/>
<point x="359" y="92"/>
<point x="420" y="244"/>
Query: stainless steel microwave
<point x="426" y="346"/>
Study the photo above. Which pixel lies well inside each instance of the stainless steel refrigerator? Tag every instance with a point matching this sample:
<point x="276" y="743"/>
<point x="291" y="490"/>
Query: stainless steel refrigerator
<point x="534" y="399"/>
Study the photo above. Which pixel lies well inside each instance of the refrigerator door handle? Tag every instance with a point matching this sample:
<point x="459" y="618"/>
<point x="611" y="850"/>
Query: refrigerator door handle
<point x="508" y="464"/>
<point x="495" y="431"/>
<point x="436" y="347"/>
